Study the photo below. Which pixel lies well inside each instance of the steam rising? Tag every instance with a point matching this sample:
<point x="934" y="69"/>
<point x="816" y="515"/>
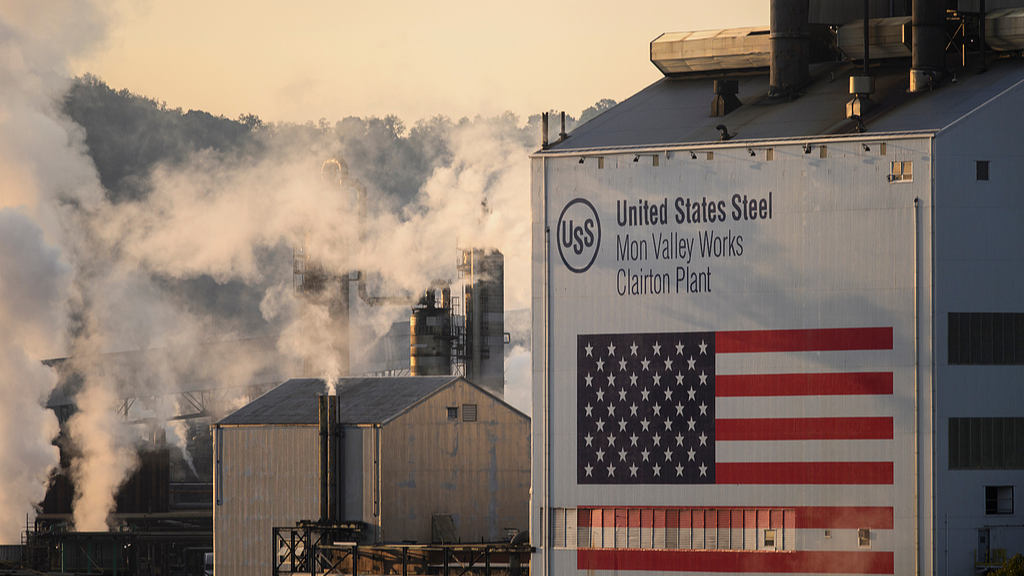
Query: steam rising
<point x="33" y="282"/>
<point x="100" y="281"/>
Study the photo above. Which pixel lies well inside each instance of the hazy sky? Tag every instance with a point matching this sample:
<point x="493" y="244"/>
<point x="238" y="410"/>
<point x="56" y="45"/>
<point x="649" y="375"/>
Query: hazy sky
<point x="307" y="59"/>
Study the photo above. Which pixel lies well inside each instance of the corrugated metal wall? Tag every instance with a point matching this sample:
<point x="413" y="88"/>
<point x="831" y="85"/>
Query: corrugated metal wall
<point x="477" y="471"/>
<point x="979" y="267"/>
<point x="264" y="477"/>
<point x="838" y="248"/>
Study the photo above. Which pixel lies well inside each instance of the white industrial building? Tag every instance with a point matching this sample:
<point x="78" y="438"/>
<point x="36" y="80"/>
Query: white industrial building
<point x="410" y="451"/>
<point x="778" y="320"/>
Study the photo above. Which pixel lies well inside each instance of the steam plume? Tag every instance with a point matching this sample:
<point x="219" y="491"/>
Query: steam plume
<point x="87" y="277"/>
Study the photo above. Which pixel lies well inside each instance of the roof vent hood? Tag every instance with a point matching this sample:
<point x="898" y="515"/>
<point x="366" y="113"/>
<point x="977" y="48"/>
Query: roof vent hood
<point x="725" y="97"/>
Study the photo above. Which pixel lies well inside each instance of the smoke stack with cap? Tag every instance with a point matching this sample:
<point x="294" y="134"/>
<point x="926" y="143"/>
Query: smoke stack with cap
<point x="929" y="44"/>
<point x="789" y="46"/>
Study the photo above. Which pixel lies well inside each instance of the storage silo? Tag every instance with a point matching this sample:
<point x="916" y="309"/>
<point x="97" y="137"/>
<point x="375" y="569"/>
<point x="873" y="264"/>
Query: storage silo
<point x="430" y="335"/>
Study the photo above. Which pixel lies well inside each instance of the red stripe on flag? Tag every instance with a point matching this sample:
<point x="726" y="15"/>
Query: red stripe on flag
<point x="804" y="473"/>
<point x="733" y="429"/>
<point x="805" y="517"/>
<point x="811" y="340"/>
<point x="803" y="562"/>
<point x="836" y="384"/>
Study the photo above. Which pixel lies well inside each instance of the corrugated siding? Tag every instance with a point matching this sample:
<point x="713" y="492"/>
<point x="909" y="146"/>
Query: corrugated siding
<point x="479" y="472"/>
<point x="268" y="477"/>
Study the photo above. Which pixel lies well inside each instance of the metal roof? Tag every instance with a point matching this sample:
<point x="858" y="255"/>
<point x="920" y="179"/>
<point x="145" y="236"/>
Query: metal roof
<point x="361" y="400"/>
<point x="676" y="112"/>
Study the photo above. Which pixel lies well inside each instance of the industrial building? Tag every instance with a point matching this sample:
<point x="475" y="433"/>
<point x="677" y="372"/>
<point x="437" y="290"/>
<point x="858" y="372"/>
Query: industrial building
<point x="424" y="459"/>
<point x="778" y="325"/>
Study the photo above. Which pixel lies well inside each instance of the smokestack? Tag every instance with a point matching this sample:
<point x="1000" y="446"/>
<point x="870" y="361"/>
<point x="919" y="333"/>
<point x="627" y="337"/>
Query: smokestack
<point x="789" y="46"/>
<point x="330" y="461"/>
<point x="929" y="44"/>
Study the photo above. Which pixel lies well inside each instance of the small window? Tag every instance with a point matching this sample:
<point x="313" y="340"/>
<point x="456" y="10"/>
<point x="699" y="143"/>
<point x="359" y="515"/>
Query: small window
<point x="864" y="537"/>
<point x="881" y="149"/>
<point x="453" y="412"/>
<point x="469" y="412"/>
<point x="600" y="162"/>
<point x="655" y="159"/>
<point x="711" y="155"/>
<point x="823" y="152"/>
<point x="982" y="169"/>
<point x="769" y="154"/>
<point x="998" y="499"/>
<point x="769" y="538"/>
<point x="902" y="172"/>
<point x="828" y="533"/>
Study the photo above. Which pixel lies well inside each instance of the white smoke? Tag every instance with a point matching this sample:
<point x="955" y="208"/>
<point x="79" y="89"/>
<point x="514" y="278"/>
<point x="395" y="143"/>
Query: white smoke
<point x="83" y="277"/>
<point x="42" y="168"/>
<point x="214" y="217"/>
<point x="107" y="456"/>
<point x="33" y="281"/>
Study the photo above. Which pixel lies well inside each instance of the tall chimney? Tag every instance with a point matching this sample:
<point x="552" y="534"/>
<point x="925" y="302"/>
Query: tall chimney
<point x="789" y="45"/>
<point x="331" y="453"/>
<point x="928" y="44"/>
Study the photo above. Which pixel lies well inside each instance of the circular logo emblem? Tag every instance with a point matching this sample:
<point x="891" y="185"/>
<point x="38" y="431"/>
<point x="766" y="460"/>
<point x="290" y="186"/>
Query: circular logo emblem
<point x="578" y="235"/>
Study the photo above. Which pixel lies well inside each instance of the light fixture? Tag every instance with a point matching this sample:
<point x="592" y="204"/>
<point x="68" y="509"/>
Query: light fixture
<point x="751" y="151"/>
<point x="692" y="155"/>
<point x="636" y="158"/>
<point x="866" y="147"/>
<point x="581" y="160"/>
<point x="807" y="148"/>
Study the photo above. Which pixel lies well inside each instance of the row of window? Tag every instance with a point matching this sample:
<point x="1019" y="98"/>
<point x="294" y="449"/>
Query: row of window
<point x="986" y="443"/>
<point x="673" y="528"/>
<point x="986" y="338"/>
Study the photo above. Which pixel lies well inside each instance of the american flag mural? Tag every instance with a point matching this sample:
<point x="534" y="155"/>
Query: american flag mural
<point x="651" y="411"/>
<point x="677" y="408"/>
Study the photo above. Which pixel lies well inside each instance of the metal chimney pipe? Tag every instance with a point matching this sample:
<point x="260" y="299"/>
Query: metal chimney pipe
<point x="330" y="461"/>
<point x="867" y="38"/>
<point x="929" y="43"/>
<point x="789" y="46"/>
<point x="984" y="63"/>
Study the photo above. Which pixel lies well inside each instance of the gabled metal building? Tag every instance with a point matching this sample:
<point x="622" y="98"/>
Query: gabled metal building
<point x="412" y="449"/>
<point x="784" y="333"/>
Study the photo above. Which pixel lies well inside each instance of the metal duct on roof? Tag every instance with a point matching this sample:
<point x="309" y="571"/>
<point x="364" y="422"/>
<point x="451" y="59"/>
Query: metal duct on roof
<point x="889" y="38"/>
<point x="711" y="50"/>
<point x="1005" y="29"/>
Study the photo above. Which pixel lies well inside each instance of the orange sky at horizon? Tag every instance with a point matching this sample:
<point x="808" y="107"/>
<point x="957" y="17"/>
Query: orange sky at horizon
<point x="314" y="59"/>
